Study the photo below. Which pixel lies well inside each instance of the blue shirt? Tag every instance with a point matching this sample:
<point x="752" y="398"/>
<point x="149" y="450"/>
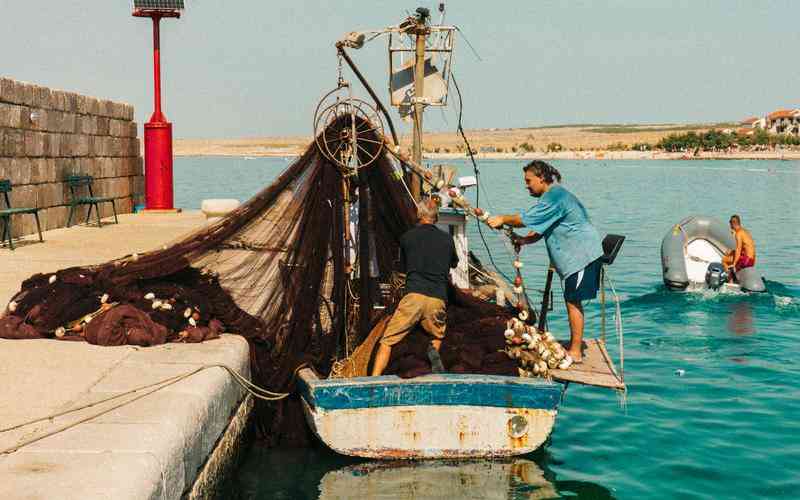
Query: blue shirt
<point x="572" y="241"/>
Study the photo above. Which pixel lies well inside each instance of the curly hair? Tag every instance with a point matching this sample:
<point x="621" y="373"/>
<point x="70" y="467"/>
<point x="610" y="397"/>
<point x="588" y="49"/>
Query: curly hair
<point x="543" y="170"/>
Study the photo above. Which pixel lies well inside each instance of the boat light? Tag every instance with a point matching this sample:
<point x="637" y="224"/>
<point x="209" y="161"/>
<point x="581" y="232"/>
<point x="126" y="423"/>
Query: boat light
<point x="517" y="426"/>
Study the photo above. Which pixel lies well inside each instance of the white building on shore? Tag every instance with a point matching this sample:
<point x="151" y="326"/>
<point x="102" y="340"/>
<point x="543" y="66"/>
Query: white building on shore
<point x="784" y="121"/>
<point x="754" y="122"/>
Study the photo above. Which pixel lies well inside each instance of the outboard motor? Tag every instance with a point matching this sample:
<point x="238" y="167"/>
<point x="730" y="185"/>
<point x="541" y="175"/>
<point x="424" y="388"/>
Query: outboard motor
<point x="716" y="276"/>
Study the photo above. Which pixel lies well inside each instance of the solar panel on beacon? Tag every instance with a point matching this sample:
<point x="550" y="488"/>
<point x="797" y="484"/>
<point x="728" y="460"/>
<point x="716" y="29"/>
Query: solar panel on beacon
<point x="158" y="4"/>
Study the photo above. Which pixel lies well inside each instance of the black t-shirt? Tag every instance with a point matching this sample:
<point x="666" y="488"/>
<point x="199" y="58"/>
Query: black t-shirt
<point x="427" y="254"/>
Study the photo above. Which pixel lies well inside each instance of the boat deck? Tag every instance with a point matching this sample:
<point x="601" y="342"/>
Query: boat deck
<point x="597" y="368"/>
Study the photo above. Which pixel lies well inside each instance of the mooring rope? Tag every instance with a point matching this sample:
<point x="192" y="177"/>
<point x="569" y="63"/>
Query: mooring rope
<point x="618" y="326"/>
<point x="249" y="387"/>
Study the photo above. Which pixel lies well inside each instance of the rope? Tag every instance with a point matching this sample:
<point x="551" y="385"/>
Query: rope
<point x="249" y="387"/>
<point x="618" y="326"/>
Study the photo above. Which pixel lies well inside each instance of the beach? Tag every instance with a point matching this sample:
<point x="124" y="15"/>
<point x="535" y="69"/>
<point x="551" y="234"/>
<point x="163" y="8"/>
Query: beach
<point x="576" y="142"/>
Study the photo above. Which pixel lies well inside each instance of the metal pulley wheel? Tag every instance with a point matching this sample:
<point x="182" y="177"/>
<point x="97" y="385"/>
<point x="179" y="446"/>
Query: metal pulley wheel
<point x="348" y="131"/>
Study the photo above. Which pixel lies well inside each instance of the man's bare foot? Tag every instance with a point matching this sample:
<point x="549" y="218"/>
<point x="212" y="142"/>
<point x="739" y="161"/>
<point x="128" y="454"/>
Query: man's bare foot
<point x="577" y="357"/>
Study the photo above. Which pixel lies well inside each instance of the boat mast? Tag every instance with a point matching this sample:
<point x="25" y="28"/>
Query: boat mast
<point x="421" y="30"/>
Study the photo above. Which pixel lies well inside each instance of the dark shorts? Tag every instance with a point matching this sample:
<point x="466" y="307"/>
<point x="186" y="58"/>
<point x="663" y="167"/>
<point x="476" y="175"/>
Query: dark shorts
<point x="584" y="284"/>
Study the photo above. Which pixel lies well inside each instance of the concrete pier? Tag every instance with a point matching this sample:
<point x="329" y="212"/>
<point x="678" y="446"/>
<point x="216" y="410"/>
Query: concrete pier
<point x="170" y="444"/>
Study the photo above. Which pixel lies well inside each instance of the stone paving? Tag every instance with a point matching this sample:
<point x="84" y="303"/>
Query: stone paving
<point x="154" y="447"/>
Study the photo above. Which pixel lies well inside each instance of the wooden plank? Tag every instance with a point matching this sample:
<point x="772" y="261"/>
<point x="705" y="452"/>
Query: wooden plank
<point x="597" y="368"/>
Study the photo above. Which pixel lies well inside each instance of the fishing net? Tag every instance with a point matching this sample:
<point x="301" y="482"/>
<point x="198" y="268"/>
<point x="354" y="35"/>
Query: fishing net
<point x="304" y="270"/>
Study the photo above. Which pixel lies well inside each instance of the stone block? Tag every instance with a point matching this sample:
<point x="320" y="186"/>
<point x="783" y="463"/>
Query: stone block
<point x="128" y="112"/>
<point x="103" y="126"/>
<point x="127" y="166"/>
<point x="114" y="167"/>
<point x="38" y="168"/>
<point x="94" y="106"/>
<point x="5" y="168"/>
<point x="125" y="205"/>
<point x="20" y="170"/>
<point x="65" y="167"/>
<point x="37" y="119"/>
<point x="54" y="217"/>
<point x="51" y="195"/>
<point x="139" y="166"/>
<point x="34" y="143"/>
<point x="27" y="94"/>
<point x="81" y="145"/>
<point x="52" y="144"/>
<point x="68" y="123"/>
<point x="73" y="102"/>
<point x="88" y="125"/>
<point x="57" y="100"/>
<point x="51" y="171"/>
<point x="11" y="115"/>
<point x="126" y="475"/>
<point x="102" y="107"/>
<point x="65" y="145"/>
<point x="101" y="168"/>
<point x="41" y="97"/>
<point x="10" y="91"/>
<point x="56" y="121"/>
<point x="133" y="147"/>
<point x="25" y="196"/>
<point x="13" y="142"/>
<point x="82" y="103"/>
<point x="116" y="110"/>
<point x="117" y="128"/>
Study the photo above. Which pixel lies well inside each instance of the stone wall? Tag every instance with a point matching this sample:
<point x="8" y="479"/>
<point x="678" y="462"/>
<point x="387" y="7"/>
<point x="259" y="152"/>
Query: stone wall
<point x="47" y="135"/>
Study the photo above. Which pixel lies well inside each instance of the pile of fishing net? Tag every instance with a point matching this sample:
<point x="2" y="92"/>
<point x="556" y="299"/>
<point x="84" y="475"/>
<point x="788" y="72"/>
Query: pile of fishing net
<point x="276" y="271"/>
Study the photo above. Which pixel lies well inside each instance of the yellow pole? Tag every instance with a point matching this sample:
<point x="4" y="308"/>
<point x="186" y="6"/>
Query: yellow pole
<point x="419" y="92"/>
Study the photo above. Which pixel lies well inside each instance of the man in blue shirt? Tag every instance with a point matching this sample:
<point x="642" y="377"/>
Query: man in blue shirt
<point x="573" y="244"/>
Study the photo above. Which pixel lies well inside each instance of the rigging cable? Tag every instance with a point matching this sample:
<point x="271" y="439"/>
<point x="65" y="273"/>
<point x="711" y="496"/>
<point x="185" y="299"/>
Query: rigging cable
<point x="477" y="173"/>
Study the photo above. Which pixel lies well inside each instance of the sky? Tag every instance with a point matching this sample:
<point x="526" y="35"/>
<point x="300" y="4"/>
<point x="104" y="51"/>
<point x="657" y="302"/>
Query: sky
<point x="259" y="68"/>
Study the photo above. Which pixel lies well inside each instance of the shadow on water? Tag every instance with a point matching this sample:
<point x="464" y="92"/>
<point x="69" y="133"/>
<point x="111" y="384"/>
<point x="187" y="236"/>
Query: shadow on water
<point x="320" y="473"/>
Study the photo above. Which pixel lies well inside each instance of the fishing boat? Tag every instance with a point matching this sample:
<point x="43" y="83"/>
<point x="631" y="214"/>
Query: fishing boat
<point x="691" y="258"/>
<point x="442" y="415"/>
<point x="445" y="415"/>
<point x="450" y="415"/>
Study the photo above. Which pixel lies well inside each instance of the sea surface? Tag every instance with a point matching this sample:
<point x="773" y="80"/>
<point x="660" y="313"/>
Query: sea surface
<point x="713" y="406"/>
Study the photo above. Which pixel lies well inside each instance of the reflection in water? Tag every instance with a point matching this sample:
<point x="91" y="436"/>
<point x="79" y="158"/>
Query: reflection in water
<point x="320" y="473"/>
<point x="516" y="478"/>
<point x="740" y="322"/>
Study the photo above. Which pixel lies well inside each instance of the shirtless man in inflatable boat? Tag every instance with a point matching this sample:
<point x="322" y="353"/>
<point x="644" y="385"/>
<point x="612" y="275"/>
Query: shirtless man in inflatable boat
<point x="745" y="253"/>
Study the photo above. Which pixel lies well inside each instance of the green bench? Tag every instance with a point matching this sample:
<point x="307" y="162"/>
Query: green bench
<point x="6" y="213"/>
<point x="77" y="183"/>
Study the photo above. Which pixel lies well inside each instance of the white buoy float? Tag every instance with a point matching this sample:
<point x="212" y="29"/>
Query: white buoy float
<point x="215" y="209"/>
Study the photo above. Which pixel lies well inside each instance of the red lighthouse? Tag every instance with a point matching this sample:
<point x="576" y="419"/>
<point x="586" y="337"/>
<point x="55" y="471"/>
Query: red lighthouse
<point x="158" y="131"/>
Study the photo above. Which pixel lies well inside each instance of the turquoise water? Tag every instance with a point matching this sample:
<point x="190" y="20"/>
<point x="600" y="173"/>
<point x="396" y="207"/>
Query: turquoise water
<point x="712" y="409"/>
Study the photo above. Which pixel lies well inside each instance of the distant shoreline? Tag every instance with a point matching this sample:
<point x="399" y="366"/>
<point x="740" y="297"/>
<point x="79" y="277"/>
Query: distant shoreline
<point x="573" y="142"/>
<point x="598" y="155"/>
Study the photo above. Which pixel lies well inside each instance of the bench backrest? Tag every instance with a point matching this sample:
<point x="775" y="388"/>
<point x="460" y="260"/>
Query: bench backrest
<point x="5" y="188"/>
<point x="78" y="181"/>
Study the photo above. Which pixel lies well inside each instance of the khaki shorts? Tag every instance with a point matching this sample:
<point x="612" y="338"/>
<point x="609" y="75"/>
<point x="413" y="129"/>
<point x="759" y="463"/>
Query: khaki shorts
<point x="415" y="308"/>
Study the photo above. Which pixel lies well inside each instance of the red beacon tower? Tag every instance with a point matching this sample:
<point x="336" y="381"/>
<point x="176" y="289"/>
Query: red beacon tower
<point x="158" y="131"/>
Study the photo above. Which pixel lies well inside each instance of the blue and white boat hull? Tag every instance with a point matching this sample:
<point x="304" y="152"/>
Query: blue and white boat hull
<point x="435" y="416"/>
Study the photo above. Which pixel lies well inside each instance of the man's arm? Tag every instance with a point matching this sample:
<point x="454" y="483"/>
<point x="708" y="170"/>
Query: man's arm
<point x="513" y="220"/>
<point x="531" y="237"/>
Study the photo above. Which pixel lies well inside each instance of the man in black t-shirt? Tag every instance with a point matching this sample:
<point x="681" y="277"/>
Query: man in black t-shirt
<point x="426" y="254"/>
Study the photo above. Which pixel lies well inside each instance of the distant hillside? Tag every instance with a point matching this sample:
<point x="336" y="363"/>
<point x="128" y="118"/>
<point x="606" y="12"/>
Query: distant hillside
<point x="576" y="137"/>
